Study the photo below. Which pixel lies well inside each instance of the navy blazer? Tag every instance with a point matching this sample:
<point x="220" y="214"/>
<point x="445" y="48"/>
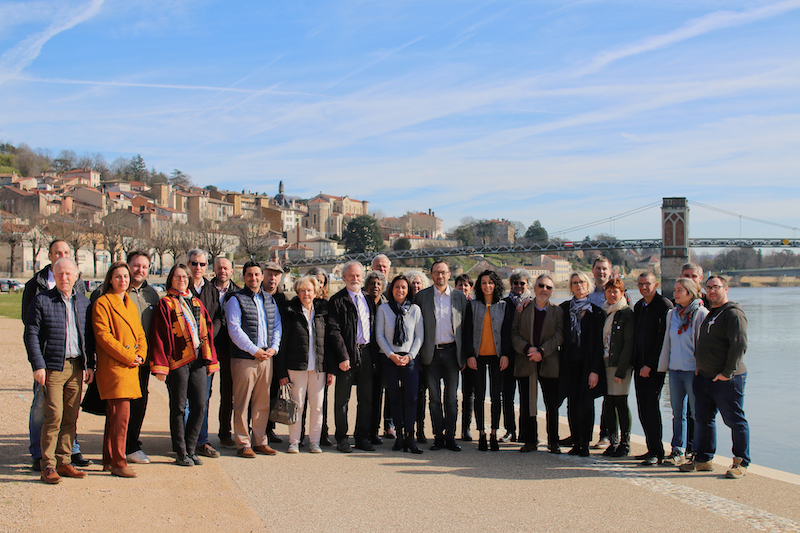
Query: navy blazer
<point x="46" y="330"/>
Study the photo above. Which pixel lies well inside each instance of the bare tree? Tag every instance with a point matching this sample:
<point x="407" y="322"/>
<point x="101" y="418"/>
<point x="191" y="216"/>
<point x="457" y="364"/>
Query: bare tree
<point x="112" y="239"/>
<point x="253" y="239"/>
<point x="37" y="239"/>
<point x="213" y="242"/>
<point x="73" y="232"/>
<point x="94" y="238"/>
<point x="12" y="236"/>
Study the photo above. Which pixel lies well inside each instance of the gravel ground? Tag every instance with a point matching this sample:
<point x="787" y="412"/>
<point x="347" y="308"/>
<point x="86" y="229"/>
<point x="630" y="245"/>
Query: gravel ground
<point x="392" y="491"/>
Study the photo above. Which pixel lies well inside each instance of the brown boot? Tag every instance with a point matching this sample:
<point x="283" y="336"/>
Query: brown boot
<point x="50" y="476"/>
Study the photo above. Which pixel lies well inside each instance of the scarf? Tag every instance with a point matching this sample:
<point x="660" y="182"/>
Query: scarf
<point x="610" y="311"/>
<point x="576" y="307"/>
<point x="686" y="314"/>
<point x="400" y="311"/>
<point x="189" y="317"/>
<point x="519" y="299"/>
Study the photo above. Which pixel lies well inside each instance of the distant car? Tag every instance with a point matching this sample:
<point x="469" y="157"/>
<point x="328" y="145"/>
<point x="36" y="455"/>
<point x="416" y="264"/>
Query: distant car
<point x="15" y="285"/>
<point x="4" y="286"/>
<point x="158" y="287"/>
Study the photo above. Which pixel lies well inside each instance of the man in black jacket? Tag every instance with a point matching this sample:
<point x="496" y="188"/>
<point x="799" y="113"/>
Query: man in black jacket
<point x="44" y="281"/>
<point x="650" y="325"/>
<point x="209" y="295"/>
<point x="223" y="270"/>
<point x="56" y="340"/>
<point x="351" y="345"/>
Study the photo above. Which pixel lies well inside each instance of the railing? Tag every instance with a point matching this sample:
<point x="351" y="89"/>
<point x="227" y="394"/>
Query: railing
<point x="561" y="246"/>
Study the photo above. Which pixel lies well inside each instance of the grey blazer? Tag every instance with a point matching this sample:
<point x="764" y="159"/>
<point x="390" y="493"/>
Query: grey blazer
<point x="458" y="306"/>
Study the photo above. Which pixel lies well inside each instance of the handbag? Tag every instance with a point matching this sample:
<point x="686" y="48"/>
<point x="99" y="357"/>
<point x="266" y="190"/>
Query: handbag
<point x="92" y="403"/>
<point x="284" y="410"/>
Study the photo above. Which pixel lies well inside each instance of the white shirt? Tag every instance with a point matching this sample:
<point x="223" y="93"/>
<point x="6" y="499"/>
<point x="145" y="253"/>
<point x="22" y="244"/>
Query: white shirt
<point x="444" y="316"/>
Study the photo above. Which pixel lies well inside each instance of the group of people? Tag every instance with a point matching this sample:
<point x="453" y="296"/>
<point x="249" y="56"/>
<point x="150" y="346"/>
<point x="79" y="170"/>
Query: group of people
<point x="397" y="341"/>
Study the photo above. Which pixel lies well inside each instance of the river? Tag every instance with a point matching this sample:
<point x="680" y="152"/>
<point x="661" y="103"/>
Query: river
<point x="773" y="315"/>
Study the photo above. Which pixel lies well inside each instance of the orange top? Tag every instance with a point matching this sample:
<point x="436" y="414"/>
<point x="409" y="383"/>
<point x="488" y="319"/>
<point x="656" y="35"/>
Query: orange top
<point x="487" y="338"/>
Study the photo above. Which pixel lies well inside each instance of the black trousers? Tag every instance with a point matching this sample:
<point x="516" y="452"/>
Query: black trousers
<point x="509" y="390"/>
<point x="444" y="367"/>
<point x="528" y="421"/>
<point x="187" y="382"/>
<point x="138" y="408"/>
<point x="225" y="393"/>
<point x="362" y="376"/>
<point x="648" y="398"/>
<point x="380" y="398"/>
<point x="402" y="384"/>
<point x="467" y="398"/>
<point x="580" y="407"/>
<point x="496" y="382"/>
<point x="551" y="405"/>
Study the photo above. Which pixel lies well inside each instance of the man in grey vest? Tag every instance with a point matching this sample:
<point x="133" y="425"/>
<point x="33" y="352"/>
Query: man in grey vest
<point x="254" y="325"/>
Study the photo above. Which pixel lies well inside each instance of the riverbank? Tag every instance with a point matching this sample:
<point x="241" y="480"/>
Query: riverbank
<point x="386" y="490"/>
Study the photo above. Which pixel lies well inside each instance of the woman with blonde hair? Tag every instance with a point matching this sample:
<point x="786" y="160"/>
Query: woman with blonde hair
<point x="121" y="349"/>
<point x="677" y="357"/>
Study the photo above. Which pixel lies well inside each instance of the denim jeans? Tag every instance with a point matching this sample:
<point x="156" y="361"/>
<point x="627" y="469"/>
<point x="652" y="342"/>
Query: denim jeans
<point x="680" y="389"/>
<point x="727" y="397"/>
<point x="35" y="422"/>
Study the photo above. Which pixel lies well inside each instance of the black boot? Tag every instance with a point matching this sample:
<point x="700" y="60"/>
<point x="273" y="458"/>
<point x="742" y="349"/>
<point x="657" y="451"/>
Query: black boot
<point x="421" y="433"/>
<point x="409" y="443"/>
<point x="624" y="447"/>
<point x="399" y="444"/>
<point x="612" y="448"/>
<point x="482" y="445"/>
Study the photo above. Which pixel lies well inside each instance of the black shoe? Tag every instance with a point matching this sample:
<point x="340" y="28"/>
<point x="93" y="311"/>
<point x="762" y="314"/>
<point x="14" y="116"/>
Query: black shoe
<point x="375" y="439"/>
<point x="452" y="445"/>
<point x="196" y="460"/>
<point x="344" y="446"/>
<point x="482" y="444"/>
<point x="576" y="450"/>
<point x="554" y="449"/>
<point x="566" y="442"/>
<point x="584" y="452"/>
<point x="399" y="444"/>
<point x="643" y="456"/>
<point x="509" y="436"/>
<point x="36" y="466"/>
<point x="364" y="445"/>
<point x="610" y="451"/>
<point x="466" y="436"/>
<point x="493" y="445"/>
<point x="651" y="460"/>
<point x="421" y="437"/>
<point x="325" y="440"/>
<point x="273" y="438"/>
<point x="79" y="460"/>
<point x="438" y="443"/>
<point x="184" y="460"/>
<point x="409" y="444"/>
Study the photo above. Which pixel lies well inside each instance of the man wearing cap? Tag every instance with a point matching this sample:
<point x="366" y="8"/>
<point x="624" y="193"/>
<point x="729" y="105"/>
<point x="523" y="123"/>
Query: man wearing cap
<point x="273" y="275"/>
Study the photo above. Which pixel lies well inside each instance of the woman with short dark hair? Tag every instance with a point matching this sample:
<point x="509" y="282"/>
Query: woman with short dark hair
<point x="183" y="355"/>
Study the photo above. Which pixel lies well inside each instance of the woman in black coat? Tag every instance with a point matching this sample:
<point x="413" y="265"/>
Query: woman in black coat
<point x="301" y="360"/>
<point x="581" y="372"/>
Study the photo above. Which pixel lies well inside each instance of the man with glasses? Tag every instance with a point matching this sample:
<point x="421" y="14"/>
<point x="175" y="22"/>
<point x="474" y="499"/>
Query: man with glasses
<point x="208" y="294"/>
<point x="521" y="283"/>
<point x="441" y="355"/>
<point x="536" y="336"/>
<point x="650" y="325"/>
<point x="223" y="271"/>
<point x="719" y="381"/>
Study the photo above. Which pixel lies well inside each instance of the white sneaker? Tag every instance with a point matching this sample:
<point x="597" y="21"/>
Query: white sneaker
<point x="293" y="448"/>
<point x="314" y="448"/>
<point x="138" y="458"/>
<point x="674" y="458"/>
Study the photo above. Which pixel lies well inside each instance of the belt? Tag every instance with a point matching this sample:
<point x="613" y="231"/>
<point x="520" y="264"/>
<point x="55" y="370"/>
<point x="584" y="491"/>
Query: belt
<point x="362" y="346"/>
<point x="445" y="345"/>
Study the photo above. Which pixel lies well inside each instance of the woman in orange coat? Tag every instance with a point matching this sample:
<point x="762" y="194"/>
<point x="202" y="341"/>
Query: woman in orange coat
<point x="121" y="349"/>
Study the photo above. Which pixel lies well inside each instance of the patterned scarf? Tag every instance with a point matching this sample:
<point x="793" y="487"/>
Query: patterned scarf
<point x="576" y="307"/>
<point x="519" y="299"/>
<point x="191" y="323"/>
<point x="610" y="311"/>
<point x="400" y="311"/>
<point x="686" y="314"/>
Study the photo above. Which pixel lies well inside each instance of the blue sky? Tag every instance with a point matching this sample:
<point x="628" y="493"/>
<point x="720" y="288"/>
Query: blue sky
<point x="566" y="112"/>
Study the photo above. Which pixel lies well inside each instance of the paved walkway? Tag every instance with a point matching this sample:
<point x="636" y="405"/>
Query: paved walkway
<point x="383" y="490"/>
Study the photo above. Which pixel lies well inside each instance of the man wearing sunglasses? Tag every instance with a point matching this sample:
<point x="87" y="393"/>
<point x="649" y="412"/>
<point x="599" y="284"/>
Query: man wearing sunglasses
<point x="208" y="294"/>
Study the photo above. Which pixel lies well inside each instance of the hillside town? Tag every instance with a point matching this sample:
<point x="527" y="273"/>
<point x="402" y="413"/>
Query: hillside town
<point x="104" y="219"/>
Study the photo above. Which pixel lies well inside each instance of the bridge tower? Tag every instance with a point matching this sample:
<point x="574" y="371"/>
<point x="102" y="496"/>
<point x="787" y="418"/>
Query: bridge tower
<point x="675" y="243"/>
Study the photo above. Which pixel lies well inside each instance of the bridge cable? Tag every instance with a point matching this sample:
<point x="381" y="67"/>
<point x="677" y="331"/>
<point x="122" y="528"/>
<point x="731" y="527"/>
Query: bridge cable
<point x="745" y="217"/>
<point x="609" y="219"/>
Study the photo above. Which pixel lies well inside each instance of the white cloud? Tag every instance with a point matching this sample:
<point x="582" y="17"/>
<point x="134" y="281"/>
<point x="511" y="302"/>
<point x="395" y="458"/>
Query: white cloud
<point x="15" y="60"/>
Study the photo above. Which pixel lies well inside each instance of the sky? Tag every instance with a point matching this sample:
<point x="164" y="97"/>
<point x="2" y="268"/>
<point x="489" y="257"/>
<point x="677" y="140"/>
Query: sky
<point x="567" y="112"/>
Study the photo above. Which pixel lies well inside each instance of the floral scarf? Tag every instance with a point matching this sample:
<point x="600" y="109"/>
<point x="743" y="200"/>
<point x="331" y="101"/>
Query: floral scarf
<point x="686" y="315"/>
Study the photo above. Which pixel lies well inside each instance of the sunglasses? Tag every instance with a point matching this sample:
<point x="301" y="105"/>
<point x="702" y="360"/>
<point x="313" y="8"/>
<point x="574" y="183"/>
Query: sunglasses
<point x="520" y="283"/>
<point x="197" y="264"/>
<point x="543" y="286"/>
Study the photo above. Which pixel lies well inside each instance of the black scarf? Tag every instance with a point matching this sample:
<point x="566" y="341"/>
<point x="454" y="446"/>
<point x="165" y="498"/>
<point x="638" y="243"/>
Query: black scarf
<point x="400" y="311"/>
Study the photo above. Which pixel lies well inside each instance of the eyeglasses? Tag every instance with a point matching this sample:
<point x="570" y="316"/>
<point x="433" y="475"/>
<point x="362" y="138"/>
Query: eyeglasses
<point x="197" y="264"/>
<point x="579" y="282"/>
<point x="714" y="288"/>
<point x="543" y="286"/>
<point x="520" y="283"/>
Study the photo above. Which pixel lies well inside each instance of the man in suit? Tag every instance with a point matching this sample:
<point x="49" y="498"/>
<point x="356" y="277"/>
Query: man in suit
<point x="442" y="357"/>
<point x="351" y="343"/>
<point x="650" y="325"/>
<point x="56" y="341"/>
<point x="223" y="271"/>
